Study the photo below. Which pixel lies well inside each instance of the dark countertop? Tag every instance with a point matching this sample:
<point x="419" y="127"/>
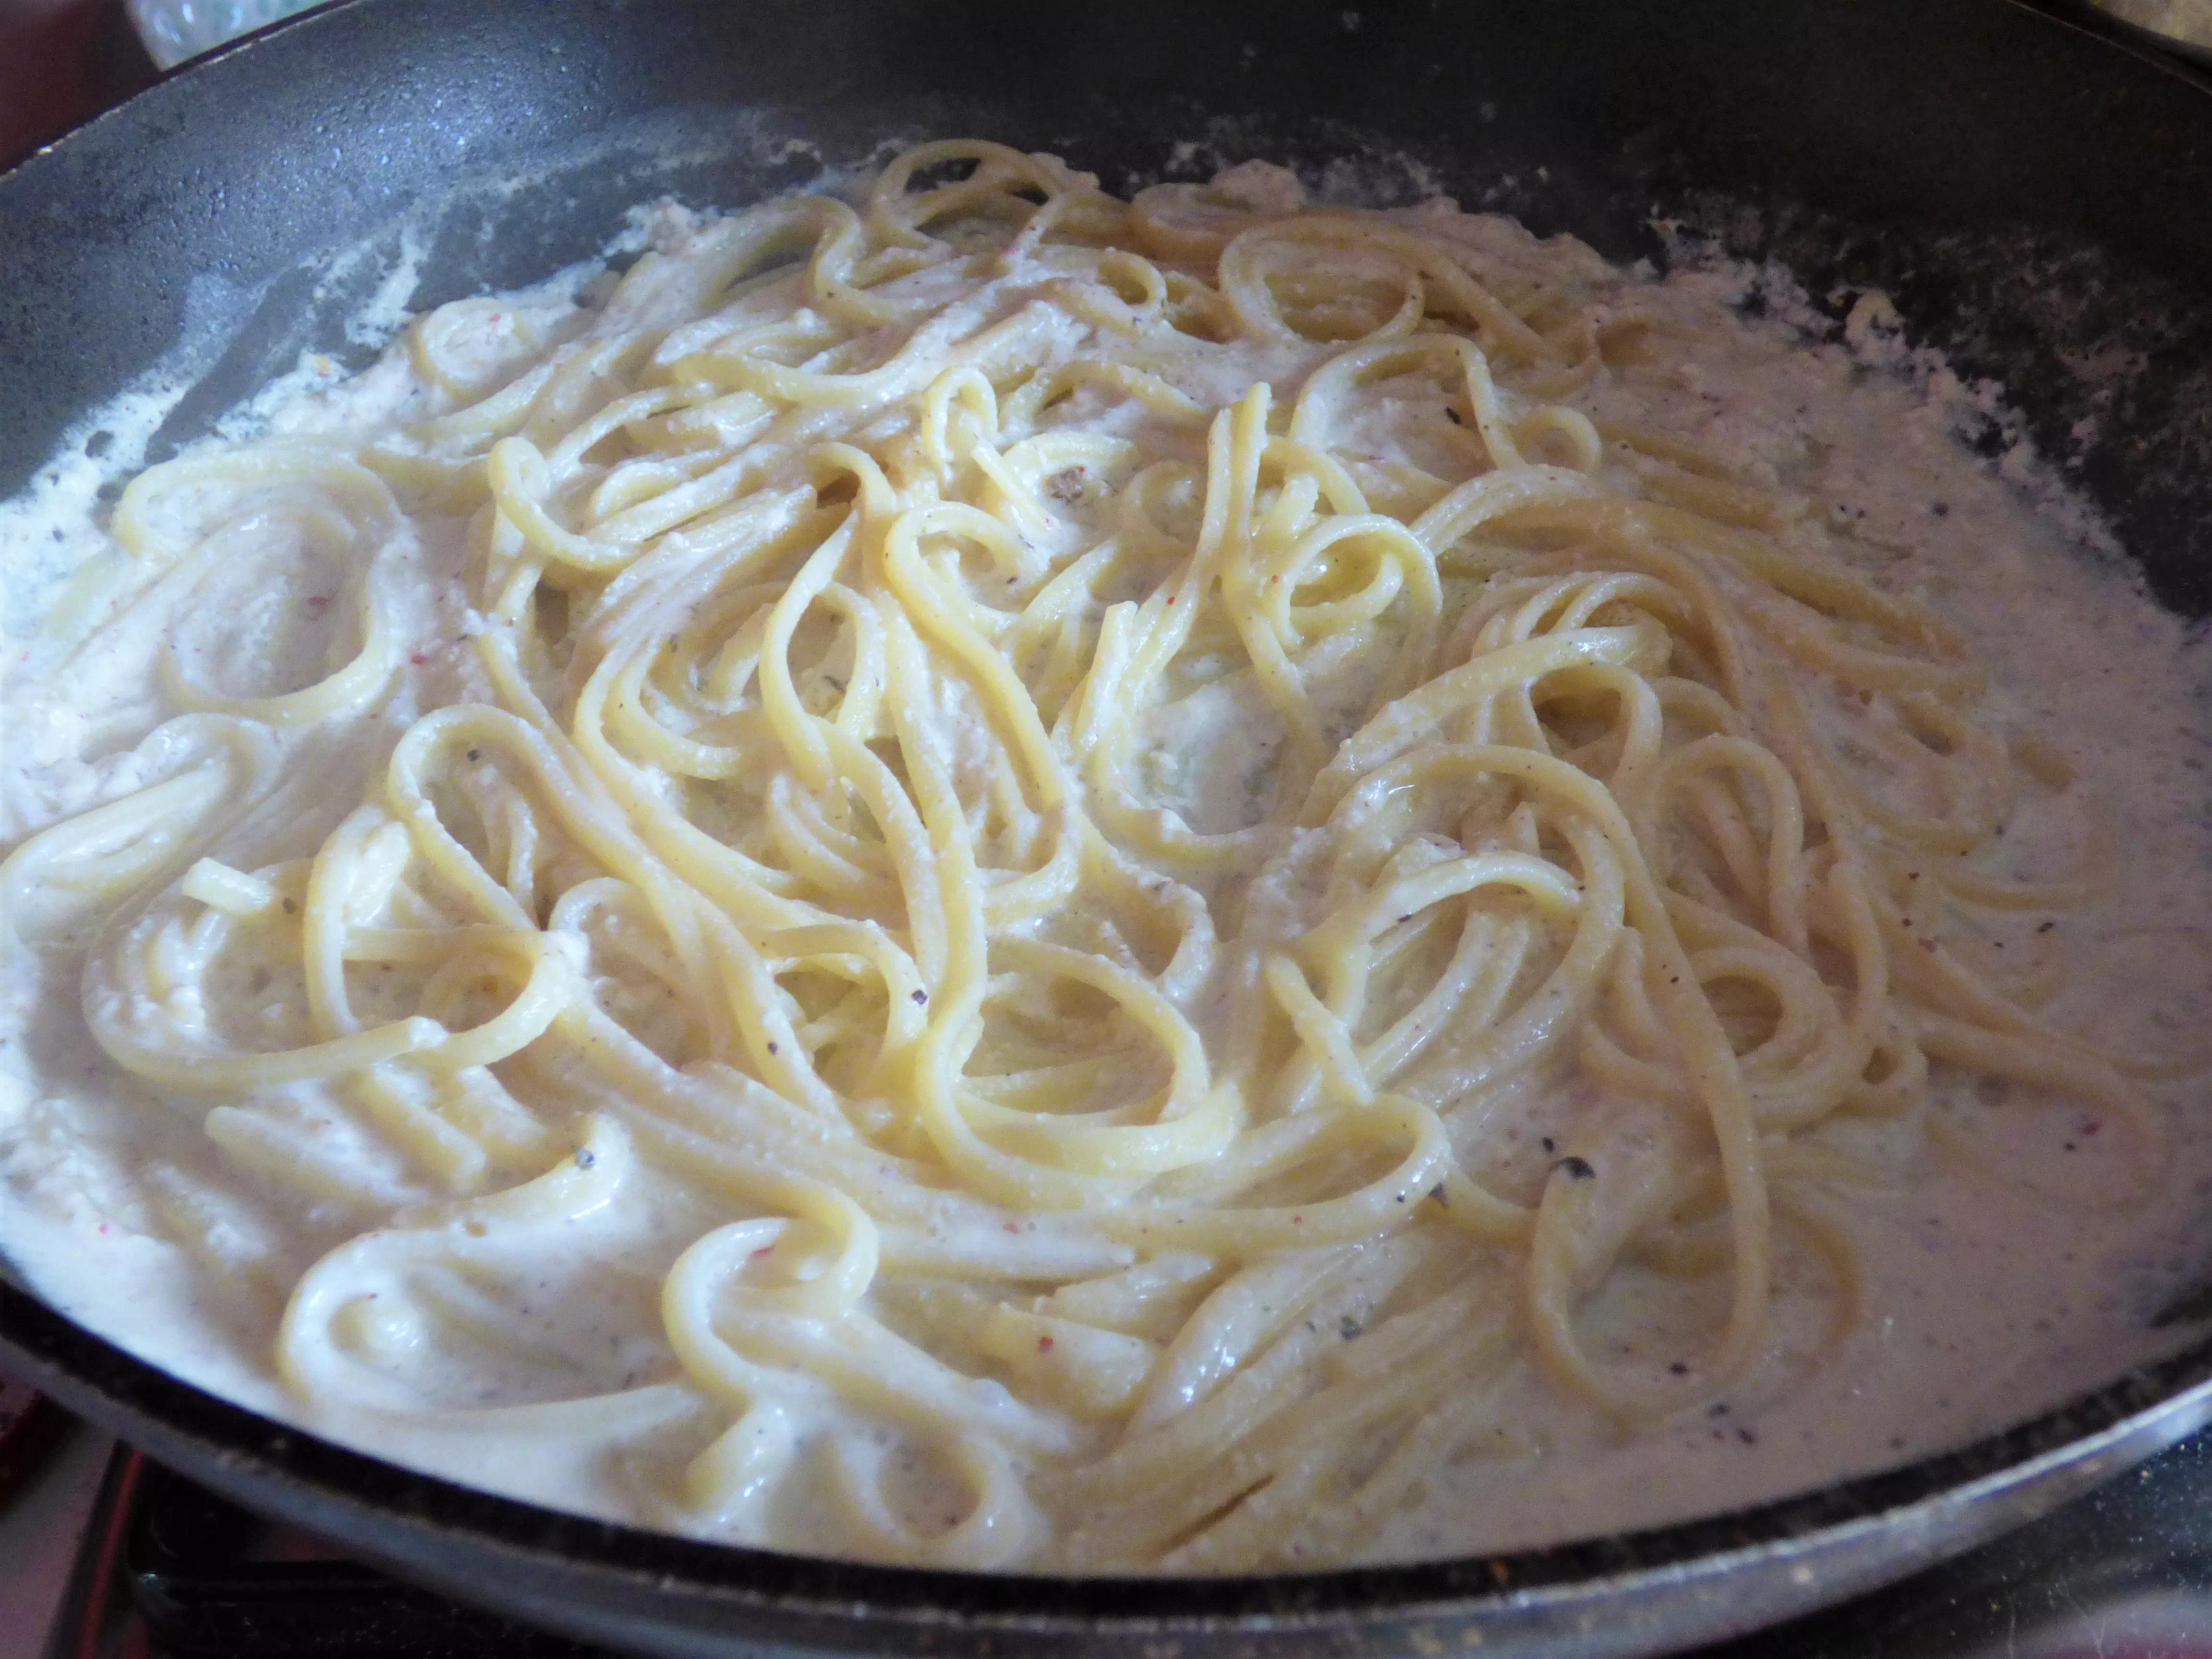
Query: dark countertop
<point x="62" y="62"/>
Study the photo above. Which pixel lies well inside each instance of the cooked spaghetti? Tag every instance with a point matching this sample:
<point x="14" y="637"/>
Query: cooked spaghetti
<point x="1094" y="872"/>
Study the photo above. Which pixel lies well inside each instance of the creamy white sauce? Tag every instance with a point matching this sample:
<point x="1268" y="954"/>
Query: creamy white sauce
<point x="1986" y="1298"/>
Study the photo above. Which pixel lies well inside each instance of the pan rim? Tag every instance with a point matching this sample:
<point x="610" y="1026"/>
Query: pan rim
<point x="2120" y="1423"/>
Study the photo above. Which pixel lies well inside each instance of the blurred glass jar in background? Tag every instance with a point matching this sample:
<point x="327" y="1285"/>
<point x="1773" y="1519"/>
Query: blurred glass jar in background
<point x="175" y="30"/>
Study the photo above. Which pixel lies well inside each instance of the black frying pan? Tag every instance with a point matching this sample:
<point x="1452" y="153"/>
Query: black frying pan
<point x="2038" y="202"/>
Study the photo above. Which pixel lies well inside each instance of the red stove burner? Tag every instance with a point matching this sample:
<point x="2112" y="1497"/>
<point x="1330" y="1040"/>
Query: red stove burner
<point x="30" y="1428"/>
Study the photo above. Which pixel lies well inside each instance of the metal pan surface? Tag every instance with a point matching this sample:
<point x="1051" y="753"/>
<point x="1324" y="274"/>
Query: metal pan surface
<point x="2035" y="200"/>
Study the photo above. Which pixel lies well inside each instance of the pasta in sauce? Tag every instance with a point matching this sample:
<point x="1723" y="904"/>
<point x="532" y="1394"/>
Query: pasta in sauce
<point x="1001" y="878"/>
